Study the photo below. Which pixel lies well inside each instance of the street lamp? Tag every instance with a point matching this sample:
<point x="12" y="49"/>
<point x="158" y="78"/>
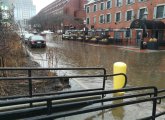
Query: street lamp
<point x="145" y="14"/>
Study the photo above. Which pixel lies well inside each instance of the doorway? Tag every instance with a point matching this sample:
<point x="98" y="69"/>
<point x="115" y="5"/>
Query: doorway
<point x="139" y="33"/>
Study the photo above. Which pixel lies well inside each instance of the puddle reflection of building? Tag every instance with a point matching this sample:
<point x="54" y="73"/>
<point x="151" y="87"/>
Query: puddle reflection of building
<point x="118" y="112"/>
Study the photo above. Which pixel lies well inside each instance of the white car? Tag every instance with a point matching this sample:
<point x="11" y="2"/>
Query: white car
<point x="26" y="37"/>
<point x="66" y="36"/>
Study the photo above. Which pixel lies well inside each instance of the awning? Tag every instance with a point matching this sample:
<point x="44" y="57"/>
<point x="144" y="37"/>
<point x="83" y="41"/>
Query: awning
<point x="148" y="24"/>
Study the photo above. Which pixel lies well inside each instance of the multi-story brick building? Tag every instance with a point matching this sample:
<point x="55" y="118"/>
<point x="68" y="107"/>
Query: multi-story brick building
<point x="119" y="14"/>
<point x="71" y="12"/>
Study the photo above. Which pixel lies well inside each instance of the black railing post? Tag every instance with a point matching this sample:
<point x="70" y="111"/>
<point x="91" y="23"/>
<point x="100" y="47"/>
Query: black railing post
<point x="49" y="107"/>
<point x="154" y="104"/>
<point x="104" y="78"/>
<point x="30" y="85"/>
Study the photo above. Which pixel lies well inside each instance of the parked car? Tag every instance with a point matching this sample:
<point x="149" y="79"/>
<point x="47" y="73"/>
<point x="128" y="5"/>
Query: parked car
<point x="26" y="37"/>
<point x="36" y="41"/>
<point x="66" y="36"/>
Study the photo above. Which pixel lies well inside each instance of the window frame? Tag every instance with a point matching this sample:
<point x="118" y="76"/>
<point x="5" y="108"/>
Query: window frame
<point x="130" y="30"/>
<point x="110" y="19"/>
<point x="163" y="11"/>
<point x="110" y="4"/>
<point x="142" y="0"/>
<point x="87" y="20"/>
<point x="116" y="16"/>
<point x="102" y="22"/>
<point x="116" y="3"/>
<point x="126" y="15"/>
<point x="94" y="20"/>
<point x="133" y="1"/>
<point x="102" y="6"/>
<point x="94" y="7"/>
<point x="139" y="11"/>
<point x="88" y="9"/>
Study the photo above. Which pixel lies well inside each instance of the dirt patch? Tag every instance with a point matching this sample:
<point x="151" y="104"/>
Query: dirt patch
<point x="21" y="87"/>
<point x="18" y="58"/>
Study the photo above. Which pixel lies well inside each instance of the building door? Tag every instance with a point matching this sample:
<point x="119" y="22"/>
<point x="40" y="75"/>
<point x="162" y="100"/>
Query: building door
<point x="138" y="36"/>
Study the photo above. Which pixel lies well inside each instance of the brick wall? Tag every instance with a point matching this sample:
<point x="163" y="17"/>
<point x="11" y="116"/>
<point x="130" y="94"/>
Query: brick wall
<point x="150" y="4"/>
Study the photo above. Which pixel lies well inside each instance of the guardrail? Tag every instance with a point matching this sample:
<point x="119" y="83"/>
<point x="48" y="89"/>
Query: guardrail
<point x="31" y="78"/>
<point x="29" y="107"/>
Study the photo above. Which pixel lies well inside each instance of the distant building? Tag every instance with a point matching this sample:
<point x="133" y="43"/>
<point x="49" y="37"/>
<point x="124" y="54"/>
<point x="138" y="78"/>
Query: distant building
<point x="23" y="10"/>
<point x="72" y="12"/>
<point x="117" y="15"/>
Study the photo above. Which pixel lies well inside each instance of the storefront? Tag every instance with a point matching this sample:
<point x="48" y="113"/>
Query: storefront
<point x="149" y="31"/>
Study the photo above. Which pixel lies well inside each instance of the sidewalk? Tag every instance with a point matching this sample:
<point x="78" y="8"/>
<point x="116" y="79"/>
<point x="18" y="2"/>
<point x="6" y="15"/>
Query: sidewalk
<point x="136" y="49"/>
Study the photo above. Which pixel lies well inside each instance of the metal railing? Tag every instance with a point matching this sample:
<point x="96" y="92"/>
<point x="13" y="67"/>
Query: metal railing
<point x="51" y="108"/>
<point x="31" y="78"/>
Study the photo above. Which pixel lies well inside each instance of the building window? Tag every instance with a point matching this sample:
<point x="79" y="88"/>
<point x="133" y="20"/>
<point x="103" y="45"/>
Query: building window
<point x="119" y="3"/>
<point x="127" y="33"/>
<point x="118" y="17"/>
<point x="129" y="15"/>
<point x="94" y="8"/>
<point x="160" y="11"/>
<point x="87" y="21"/>
<point x="101" y="18"/>
<point x="94" y="20"/>
<point x="142" y="0"/>
<point x="102" y="6"/>
<point x="87" y="9"/>
<point x="109" y="4"/>
<point x="130" y="2"/>
<point x="108" y="18"/>
<point x="141" y="13"/>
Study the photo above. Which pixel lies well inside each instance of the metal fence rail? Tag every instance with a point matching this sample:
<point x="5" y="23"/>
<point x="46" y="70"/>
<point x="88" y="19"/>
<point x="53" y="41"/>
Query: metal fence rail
<point x="50" y="111"/>
<point x="46" y="106"/>
<point x="31" y="78"/>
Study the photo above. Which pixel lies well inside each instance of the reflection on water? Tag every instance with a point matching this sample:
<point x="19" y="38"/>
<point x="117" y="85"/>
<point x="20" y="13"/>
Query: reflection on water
<point x="118" y="113"/>
<point x="144" y="68"/>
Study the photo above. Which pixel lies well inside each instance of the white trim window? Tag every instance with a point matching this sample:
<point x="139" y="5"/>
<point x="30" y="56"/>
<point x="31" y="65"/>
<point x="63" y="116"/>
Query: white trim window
<point x="119" y="3"/>
<point x="108" y="18"/>
<point x="101" y="19"/>
<point x="141" y="12"/>
<point x="129" y="2"/>
<point x="109" y="4"/>
<point x="129" y="15"/>
<point x="102" y="6"/>
<point x="94" y="8"/>
<point x="118" y="17"/>
<point x="128" y="33"/>
<point x="94" y="19"/>
<point x="142" y="0"/>
<point x="87" y="9"/>
<point x="87" y="21"/>
<point x="159" y="11"/>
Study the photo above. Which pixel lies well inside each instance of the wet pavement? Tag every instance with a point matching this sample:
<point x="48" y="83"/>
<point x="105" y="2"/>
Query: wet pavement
<point x="145" y="68"/>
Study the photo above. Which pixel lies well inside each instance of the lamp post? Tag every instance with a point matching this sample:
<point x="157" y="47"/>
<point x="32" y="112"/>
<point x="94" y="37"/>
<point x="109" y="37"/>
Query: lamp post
<point x="145" y="14"/>
<point x="62" y="28"/>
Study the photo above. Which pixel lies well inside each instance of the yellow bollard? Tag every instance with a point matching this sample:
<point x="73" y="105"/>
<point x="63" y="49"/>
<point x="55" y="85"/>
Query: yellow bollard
<point x="119" y="81"/>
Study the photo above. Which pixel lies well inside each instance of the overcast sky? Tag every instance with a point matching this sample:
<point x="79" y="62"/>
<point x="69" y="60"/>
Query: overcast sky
<point x="41" y="4"/>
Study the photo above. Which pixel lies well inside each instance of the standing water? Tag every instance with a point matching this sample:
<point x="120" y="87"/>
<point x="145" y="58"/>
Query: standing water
<point x="144" y="68"/>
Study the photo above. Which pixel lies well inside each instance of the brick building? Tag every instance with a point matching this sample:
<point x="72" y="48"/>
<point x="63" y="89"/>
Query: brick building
<point x="71" y="12"/>
<point x="118" y="15"/>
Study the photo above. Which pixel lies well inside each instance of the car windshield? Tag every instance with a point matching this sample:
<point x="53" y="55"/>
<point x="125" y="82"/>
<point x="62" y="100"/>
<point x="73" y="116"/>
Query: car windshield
<point x="37" y="37"/>
<point x="28" y="35"/>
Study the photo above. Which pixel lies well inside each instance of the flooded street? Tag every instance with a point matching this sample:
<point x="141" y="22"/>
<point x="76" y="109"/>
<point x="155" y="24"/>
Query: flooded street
<point x="144" y="68"/>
